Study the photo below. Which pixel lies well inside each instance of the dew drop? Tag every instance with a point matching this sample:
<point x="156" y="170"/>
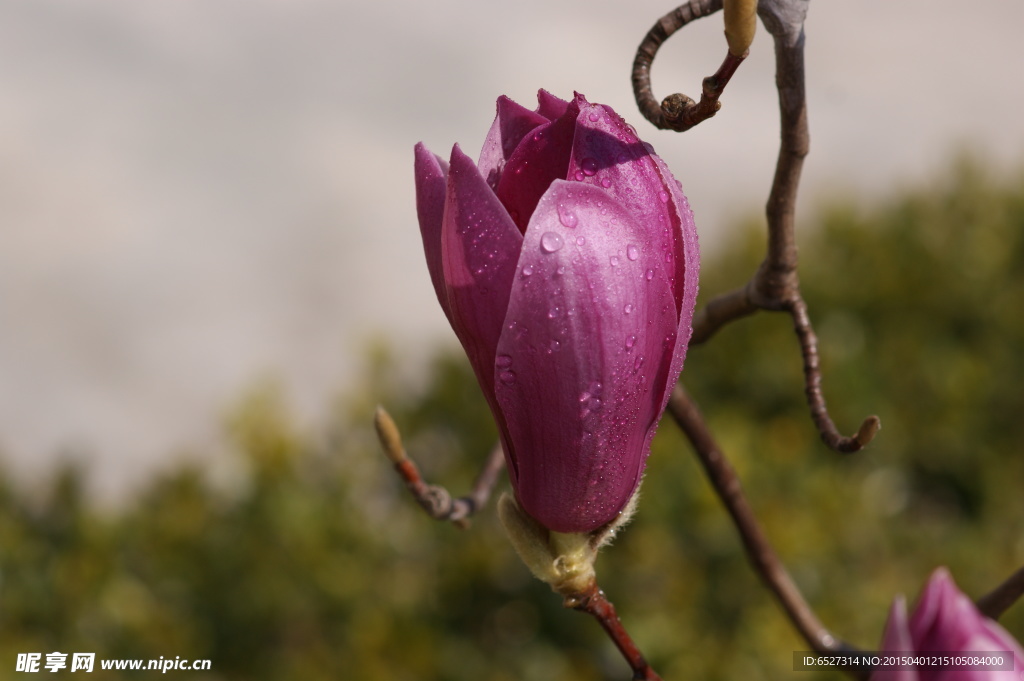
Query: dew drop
<point x="507" y="377"/>
<point x="560" y="270"/>
<point x="632" y="252"/>
<point x="637" y="363"/>
<point x="589" y="167"/>
<point x="630" y="342"/>
<point x="555" y="346"/>
<point x="579" y="175"/>
<point x="605" y="182"/>
<point x="628" y="309"/>
<point x="503" y="361"/>
<point x="668" y="257"/>
<point x="580" y="241"/>
<point x="567" y="217"/>
<point x="555" y="311"/>
<point x="649" y="275"/>
<point x="663" y="196"/>
<point x="614" y="260"/>
<point x="594" y="118"/>
<point x="550" y="242"/>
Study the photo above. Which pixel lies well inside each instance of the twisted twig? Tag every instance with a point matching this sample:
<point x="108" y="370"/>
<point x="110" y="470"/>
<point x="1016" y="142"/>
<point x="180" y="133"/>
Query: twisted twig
<point x="436" y="500"/>
<point x="679" y="112"/>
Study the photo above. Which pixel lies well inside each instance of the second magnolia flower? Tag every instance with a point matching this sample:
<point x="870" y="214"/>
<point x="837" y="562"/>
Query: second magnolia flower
<point x="566" y="261"/>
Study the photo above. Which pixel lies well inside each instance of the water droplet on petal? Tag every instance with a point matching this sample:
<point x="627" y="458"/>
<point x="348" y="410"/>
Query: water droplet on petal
<point x="555" y="346"/>
<point x="663" y="196"/>
<point x="594" y="118"/>
<point x="527" y="270"/>
<point x="550" y="242"/>
<point x="632" y="252"/>
<point x="589" y="167"/>
<point x="614" y="260"/>
<point x="630" y="342"/>
<point x="555" y="311"/>
<point x="649" y="275"/>
<point x="637" y="363"/>
<point x="579" y="176"/>
<point x="628" y="308"/>
<point x="580" y="241"/>
<point x="605" y="182"/>
<point x="566" y="216"/>
<point x="503" y="361"/>
<point x="507" y="377"/>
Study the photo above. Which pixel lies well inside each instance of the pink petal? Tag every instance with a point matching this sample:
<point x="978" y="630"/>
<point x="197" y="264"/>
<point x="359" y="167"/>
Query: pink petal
<point x="512" y="123"/>
<point x="480" y="246"/>
<point x="607" y="153"/>
<point x="549" y="106"/>
<point x="896" y="639"/>
<point x="687" y="267"/>
<point x="590" y="328"/>
<point x="935" y="624"/>
<point x="431" y="185"/>
<point x="539" y="159"/>
<point x="947" y="620"/>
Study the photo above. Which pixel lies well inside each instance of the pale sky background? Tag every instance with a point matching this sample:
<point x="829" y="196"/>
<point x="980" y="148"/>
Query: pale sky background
<point x="195" y="194"/>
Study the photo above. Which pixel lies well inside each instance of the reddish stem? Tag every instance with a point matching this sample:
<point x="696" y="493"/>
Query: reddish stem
<point x="594" y="602"/>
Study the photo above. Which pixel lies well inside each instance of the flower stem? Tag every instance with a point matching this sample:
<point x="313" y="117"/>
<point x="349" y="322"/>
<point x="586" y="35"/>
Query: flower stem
<point x="593" y="602"/>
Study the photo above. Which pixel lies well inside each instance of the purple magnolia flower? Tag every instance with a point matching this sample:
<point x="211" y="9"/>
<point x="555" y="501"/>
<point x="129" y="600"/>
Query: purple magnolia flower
<point x="566" y="261"/>
<point x="945" y="621"/>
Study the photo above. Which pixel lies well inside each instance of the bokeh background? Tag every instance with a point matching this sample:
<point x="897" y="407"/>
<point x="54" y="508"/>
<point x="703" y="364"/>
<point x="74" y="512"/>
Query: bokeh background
<point x="210" y="273"/>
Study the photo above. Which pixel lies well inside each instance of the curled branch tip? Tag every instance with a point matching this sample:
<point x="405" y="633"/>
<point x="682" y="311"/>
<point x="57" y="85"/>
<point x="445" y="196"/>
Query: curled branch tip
<point x="679" y="112"/>
<point x="830" y="435"/>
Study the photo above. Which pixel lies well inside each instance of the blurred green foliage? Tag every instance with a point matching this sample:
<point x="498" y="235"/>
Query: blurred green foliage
<point x="317" y="566"/>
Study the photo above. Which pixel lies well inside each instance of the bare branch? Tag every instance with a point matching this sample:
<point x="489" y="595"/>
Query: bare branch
<point x="759" y="550"/>
<point x="999" y="600"/>
<point x="436" y="500"/>
<point x="679" y="112"/>
<point x="720" y="311"/>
